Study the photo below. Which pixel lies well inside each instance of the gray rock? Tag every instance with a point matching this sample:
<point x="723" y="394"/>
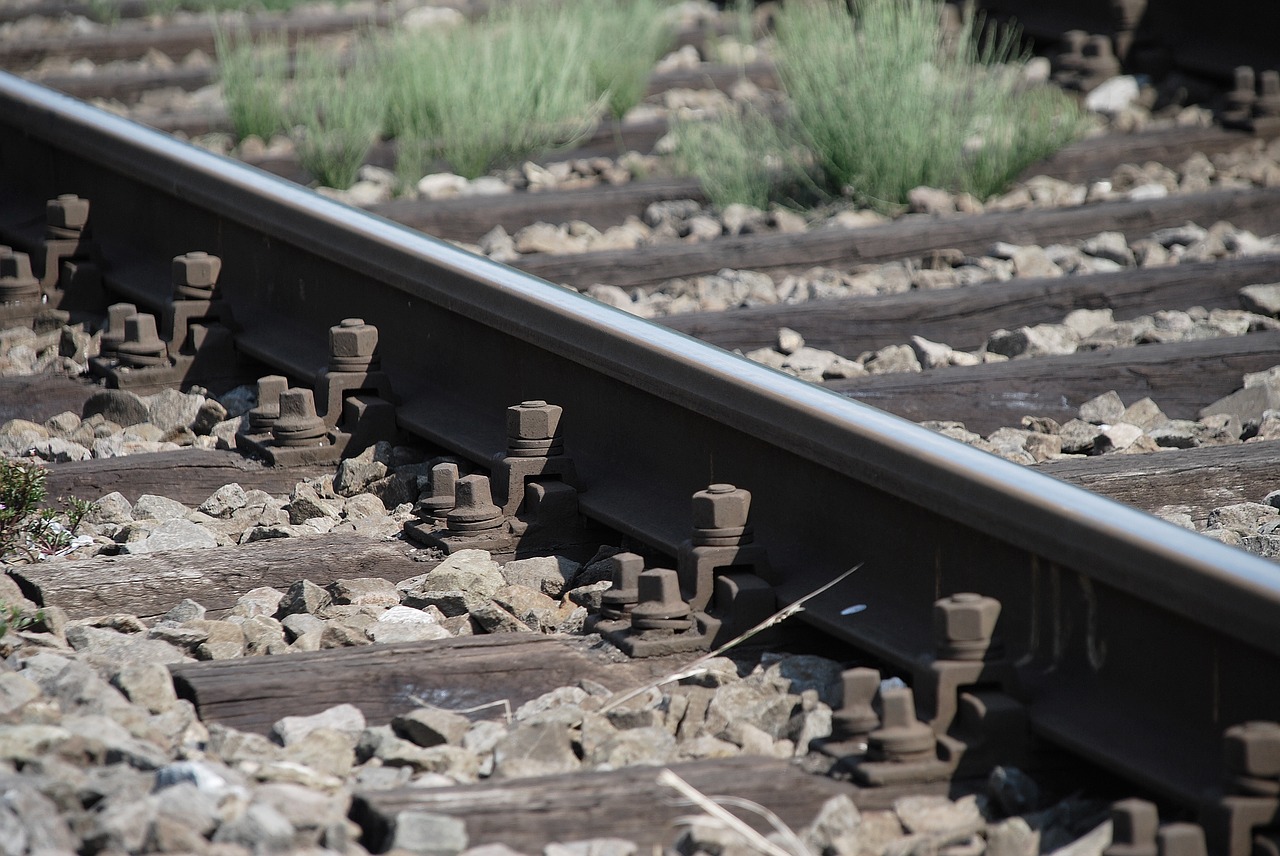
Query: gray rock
<point x="56" y="450"/>
<point x="263" y="635"/>
<point x="1145" y="414"/>
<point x="116" y="650"/>
<point x="147" y="684"/>
<point x="835" y="828"/>
<point x="42" y="827"/>
<point x="764" y="707"/>
<point x="430" y="727"/>
<point x="1012" y="837"/>
<point x="533" y="608"/>
<point x="1103" y="409"/>
<point x="1038" y="341"/>
<point x="535" y="749"/>
<point x="264" y="600"/>
<point x="170" y="409"/>
<point x="547" y="574"/>
<point x="186" y="610"/>
<point x="261" y="829"/>
<point x="809" y="725"/>
<point x="1110" y="245"/>
<point x="1246" y="518"/>
<point x="1032" y="261"/>
<point x="344" y="718"/>
<point x="797" y="673"/>
<point x="470" y="571"/>
<point x="1121" y="435"/>
<point x="15" y="691"/>
<point x="893" y="358"/>
<point x="303" y="596"/>
<point x="355" y="475"/>
<point x="365" y="591"/>
<point x="1248" y="404"/>
<point x="394" y="490"/>
<point x="306" y="503"/>
<point x="117" y="405"/>
<point x="492" y="618"/>
<point x="428" y="834"/>
<point x="323" y="750"/>
<point x="151" y="507"/>
<point x="1082" y="438"/>
<point x="939" y="816"/>
<point x="171" y="535"/>
<point x="651" y="745"/>
<point x="1176" y="434"/>
<point x="364" y="506"/>
<point x="112" y="508"/>
<point x="120" y="824"/>
<point x="307" y="810"/>
<point x="1263" y="299"/>
<point x="224" y="501"/>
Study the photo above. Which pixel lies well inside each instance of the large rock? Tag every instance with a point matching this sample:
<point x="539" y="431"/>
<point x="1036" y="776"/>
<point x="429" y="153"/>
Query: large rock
<point x="117" y="405"/>
<point x="151" y="507"/>
<point x="547" y="574"/>
<point x="470" y="571"/>
<point x="428" y="834"/>
<point x="172" y="535"/>
<point x="430" y="727"/>
<point x="169" y="409"/>
<point x="535" y="749"/>
<point x="343" y="718"/>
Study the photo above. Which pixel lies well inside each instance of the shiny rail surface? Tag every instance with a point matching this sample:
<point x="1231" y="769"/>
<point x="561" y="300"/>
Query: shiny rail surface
<point x="1137" y="642"/>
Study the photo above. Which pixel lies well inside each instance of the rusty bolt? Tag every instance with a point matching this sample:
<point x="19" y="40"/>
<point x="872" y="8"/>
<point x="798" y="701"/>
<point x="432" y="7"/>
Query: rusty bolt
<point x="1133" y="828"/>
<point x="901" y="737"/>
<point x="352" y="345"/>
<point x="196" y="269"/>
<point x="533" y="420"/>
<point x="858" y="690"/>
<point x="16" y="280"/>
<point x="624" y="593"/>
<point x="1181" y="839"/>
<point x="473" y="509"/>
<point x="68" y="211"/>
<point x="721" y="506"/>
<point x="1253" y="749"/>
<point x="963" y="625"/>
<point x="660" y="605"/>
<point x="298" y="424"/>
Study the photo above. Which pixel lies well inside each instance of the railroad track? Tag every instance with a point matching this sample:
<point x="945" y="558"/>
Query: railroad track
<point x="1090" y="590"/>
<point x="1090" y="599"/>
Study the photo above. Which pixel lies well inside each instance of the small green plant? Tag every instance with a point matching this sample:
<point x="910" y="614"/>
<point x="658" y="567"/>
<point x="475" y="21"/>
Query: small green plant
<point x="888" y="100"/>
<point x="14" y="617"/>
<point x="623" y="39"/>
<point x="253" y="77"/>
<point x="28" y="532"/>
<point x="740" y="156"/>
<point x="335" y="115"/>
<point x="488" y="93"/>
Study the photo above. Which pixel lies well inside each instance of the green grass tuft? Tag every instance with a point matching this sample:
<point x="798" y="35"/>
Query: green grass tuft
<point x="253" y="77"/>
<point x="623" y="40"/>
<point x="888" y="101"/>
<point x="739" y="156"/>
<point x="336" y="115"/>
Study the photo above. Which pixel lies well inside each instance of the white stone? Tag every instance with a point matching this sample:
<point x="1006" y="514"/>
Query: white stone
<point x="1114" y="95"/>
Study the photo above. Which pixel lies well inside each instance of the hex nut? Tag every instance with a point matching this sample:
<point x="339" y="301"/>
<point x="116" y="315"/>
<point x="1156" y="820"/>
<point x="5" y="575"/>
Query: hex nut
<point x="197" y="269"/>
<point x="1134" y="821"/>
<point x="353" y="338"/>
<point x="68" y="211"/>
<point x="14" y="265"/>
<point x="721" y="506"/>
<point x="1253" y="749"/>
<point x="965" y="617"/>
<point x="533" y="420"/>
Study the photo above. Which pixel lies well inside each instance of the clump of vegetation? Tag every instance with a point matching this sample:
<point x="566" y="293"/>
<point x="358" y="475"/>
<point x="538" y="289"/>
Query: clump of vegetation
<point x="335" y="115"/>
<point x="624" y="38"/>
<point x="488" y="93"/>
<point x="108" y="11"/>
<point x="253" y="76"/>
<point x="28" y="532"/>
<point x="888" y="99"/>
<point x="741" y="156"/>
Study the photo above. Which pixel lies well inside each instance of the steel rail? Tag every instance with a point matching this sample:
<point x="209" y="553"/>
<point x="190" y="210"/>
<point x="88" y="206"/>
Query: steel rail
<point x="1137" y="642"/>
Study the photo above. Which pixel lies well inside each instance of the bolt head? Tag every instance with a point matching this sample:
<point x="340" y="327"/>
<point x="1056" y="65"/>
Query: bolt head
<point x="353" y="338"/>
<point x="196" y="269"/>
<point x="721" y="506"/>
<point x="1134" y="821"/>
<point x="67" y="212"/>
<point x="1253" y="749"/>
<point x="965" y="617"/>
<point x="533" y="420"/>
<point x="14" y="265"/>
